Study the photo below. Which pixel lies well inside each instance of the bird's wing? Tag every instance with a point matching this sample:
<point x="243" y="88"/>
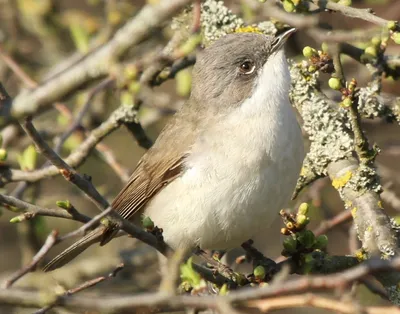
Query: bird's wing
<point x="158" y="167"/>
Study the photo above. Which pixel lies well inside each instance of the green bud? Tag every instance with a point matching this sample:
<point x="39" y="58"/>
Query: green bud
<point x="308" y="52"/>
<point x="392" y="25"/>
<point x="347" y="3"/>
<point x="183" y="82"/>
<point x="3" y="154"/>
<point x="147" y="223"/>
<point x="334" y="83"/>
<point x="126" y="98"/>
<point x="302" y="220"/>
<point x="376" y="41"/>
<point x="324" y="47"/>
<point x="105" y="221"/>
<point x="396" y="38"/>
<point x="312" y="69"/>
<point x="131" y="72"/>
<point x="240" y="279"/>
<point x="303" y="209"/>
<point x="321" y="242"/>
<point x="190" y="44"/>
<point x="17" y="219"/>
<point x="134" y="87"/>
<point x="347" y="102"/>
<point x="307" y="238"/>
<point x="30" y="157"/>
<point x="224" y="289"/>
<point x="64" y="204"/>
<point x="290" y="244"/>
<point x="288" y="6"/>
<point x="371" y="51"/>
<point x="259" y="272"/>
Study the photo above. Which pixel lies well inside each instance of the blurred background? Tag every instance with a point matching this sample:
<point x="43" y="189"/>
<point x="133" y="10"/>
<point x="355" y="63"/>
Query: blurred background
<point x="39" y="35"/>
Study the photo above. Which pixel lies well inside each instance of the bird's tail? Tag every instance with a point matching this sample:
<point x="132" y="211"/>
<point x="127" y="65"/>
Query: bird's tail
<point x="75" y="249"/>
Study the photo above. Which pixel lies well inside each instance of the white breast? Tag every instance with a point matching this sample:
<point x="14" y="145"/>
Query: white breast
<point x="240" y="173"/>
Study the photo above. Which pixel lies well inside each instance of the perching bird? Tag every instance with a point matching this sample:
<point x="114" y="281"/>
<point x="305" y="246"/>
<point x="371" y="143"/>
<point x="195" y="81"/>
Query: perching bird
<point x="227" y="161"/>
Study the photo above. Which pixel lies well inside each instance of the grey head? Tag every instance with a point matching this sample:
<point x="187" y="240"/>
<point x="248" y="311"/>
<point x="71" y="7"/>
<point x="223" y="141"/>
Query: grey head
<point x="225" y="73"/>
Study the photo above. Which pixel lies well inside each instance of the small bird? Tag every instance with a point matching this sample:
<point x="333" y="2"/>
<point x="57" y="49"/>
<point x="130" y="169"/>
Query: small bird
<point x="226" y="162"/>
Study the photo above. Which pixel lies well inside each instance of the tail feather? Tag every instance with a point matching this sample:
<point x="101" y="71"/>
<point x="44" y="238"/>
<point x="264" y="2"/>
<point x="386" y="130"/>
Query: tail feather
<point x="74" y="250"/>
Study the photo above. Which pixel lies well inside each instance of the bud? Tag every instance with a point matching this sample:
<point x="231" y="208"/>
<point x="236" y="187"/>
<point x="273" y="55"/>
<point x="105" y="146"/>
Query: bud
<point x="290" y="244"/>
<point x="259" y="272"/>
<point x="288" y="6"/>
<point x="302" y="220"/>
<point x="392" y="25"/>
<point x="346" y="103"/>
<point x="396" y="38"/>
<point x="64" y="204"/>
<point x="183" y="82"/>
<point x="191" y="44"/>
<point x="308" y="52"/>
<point x="17" y="219"/>
<point x="134" y="87"/>
<point x="3" y="154"/>
<point x="347" y="3"/>
<point x="29" y="157"/>
<point x="321" y="242"/>
<point x="371" y="51"/>
<point x="325" y="47"/>
<point x="147" y="223"/>
<point x="334" y="83"/>
<point x="376" y="41"/>
<point x="303" y="209"/>
<point x="307" y="238"/>
<point x="312" y="69"/>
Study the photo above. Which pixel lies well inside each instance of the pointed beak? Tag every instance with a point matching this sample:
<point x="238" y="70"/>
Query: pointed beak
<point x="281" y="39"/>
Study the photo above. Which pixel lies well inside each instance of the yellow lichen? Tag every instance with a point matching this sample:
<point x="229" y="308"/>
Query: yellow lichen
<point x="369" y="229"/>
<point x="303" y="171"/>
<point x="380" y="204"/>
<point x="248" y="29"/>
<point x="348" y="204"/>
<point x="354" y="212"/>
<point x="340" y="182"/>
<point x="360" y="255"/>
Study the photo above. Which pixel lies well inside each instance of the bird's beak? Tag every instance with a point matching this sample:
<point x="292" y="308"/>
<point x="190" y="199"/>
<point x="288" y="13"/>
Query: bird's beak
<point x="281" y="39"/>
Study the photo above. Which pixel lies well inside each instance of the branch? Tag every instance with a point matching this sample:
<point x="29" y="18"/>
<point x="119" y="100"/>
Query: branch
<point x="83" y="286"/>
<point x="162" y="301"/>
<point x="96" y="65"/>
<point x="75" y="159"/>
<point x="363" y="14"/>
<point x="66" y="170"/>
<point x="34" y="210"/>
<point x="48" y="244"/>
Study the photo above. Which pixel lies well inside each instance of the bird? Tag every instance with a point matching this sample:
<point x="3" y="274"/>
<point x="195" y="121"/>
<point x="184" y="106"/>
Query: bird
<point x="227" y="162"/>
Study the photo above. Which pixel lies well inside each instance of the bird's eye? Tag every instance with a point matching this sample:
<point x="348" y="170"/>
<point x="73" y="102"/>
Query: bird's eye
<point x="247" y="67"/>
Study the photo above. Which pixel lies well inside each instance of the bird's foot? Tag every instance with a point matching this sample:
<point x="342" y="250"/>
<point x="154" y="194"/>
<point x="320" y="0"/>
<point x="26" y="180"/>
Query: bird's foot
<point x="158" y="233"/>
<point x="214" y="263"/>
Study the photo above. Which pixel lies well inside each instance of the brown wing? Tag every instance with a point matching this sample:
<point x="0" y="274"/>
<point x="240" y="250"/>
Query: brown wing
<point x="158" y="167"/>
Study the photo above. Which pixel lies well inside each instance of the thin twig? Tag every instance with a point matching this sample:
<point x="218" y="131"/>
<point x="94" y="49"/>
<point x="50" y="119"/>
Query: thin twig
<point x="48" y="244"/>
<point x="34" y="210"/>
<point x="66" y="170"/>
<point x="326" y="225"/>
<point x="83" y="286"/>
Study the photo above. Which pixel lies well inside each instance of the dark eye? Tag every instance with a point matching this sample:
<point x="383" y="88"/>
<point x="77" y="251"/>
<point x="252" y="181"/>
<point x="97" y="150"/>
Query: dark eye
<point x="247" y="67"/>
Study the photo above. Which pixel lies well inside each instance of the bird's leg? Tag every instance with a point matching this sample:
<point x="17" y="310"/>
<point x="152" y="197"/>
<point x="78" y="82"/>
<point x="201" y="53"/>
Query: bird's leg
<point x="259" y="259"/>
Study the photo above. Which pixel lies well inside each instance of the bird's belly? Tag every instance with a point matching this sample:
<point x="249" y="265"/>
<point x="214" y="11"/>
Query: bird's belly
<point x="223" y="202"/>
